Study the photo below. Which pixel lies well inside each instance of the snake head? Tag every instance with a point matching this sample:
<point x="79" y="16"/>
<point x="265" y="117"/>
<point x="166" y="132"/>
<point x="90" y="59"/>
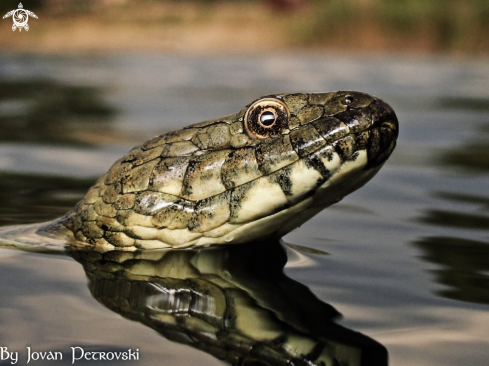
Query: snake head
<point x="251" y="175"/>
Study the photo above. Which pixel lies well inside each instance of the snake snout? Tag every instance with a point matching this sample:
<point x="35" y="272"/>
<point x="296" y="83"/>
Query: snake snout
<point x="384" y="133"/>
<point x="384" y="116"/>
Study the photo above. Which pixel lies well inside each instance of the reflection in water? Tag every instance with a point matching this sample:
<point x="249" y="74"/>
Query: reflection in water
<point x="474" y="155"/>
<point x="234" y="303"/>
<point x="465" y="267"/>
<point x="28" y="198"/>
<point x="456" y="219"/>
<point x="49" y="111"/>
<point x="304" y="249"/>
<point x="467" y="103"/>
<point x="459" y="219"/>
<point x="481" y="201"/>
<point x="465" y="262"/>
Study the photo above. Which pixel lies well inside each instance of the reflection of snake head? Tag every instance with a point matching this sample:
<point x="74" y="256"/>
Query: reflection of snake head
<point x="233" y="302"/>
<point x="252" y="175"/>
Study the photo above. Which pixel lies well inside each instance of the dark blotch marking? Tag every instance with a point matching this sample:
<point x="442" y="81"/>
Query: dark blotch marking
<point x="117" y="171"/>
<point x="176" y="216"/>
<point x="382" y="112"/>
<point x="283" y="179"/>
<point x="237" y="196"/>
<point x="202" y="169"/>
<point x="306" y="140"/>
<point x="361" y="140"/>
<point x="152" y="200"/>
<point x="314" y="161"/>
<point x="274" y="152"/>
<point x="202" y="212"/>
<point x="191" y="170"/>
<point x="354" y="156"/>
<point x="185" y="211"/>
<point x="330" y="128"/>
<point x="168" y="169"/>
<point x="110" y="194"/>
<point x="206" y="209"/>
<point x="345" y="147"/>
<point x="125" y="202"/>
<point x="356" y="119"/>
<point x="382" y="142"/>
<point x="239" y="162"/>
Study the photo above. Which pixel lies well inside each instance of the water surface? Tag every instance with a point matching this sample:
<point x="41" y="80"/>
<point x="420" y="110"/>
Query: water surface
<point x="404" y="259"/>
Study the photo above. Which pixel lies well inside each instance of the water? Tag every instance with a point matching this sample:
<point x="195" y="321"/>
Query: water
<point x="404" y="259"/>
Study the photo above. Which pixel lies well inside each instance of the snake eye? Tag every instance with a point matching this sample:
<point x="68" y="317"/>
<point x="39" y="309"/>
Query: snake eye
<point x="266" y="117"/>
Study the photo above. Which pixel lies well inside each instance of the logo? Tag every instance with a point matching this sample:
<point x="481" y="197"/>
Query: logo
<point x="20" y="17"/>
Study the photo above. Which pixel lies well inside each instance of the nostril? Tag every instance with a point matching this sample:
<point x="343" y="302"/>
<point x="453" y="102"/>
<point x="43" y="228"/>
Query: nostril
<point x="348" y="100"/>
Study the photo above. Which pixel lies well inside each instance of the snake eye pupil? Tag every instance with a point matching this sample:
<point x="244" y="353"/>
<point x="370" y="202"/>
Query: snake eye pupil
<point x="267" y="119"/>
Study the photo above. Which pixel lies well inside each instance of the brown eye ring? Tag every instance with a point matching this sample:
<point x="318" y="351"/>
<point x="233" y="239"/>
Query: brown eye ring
<point x="266" y="117"/>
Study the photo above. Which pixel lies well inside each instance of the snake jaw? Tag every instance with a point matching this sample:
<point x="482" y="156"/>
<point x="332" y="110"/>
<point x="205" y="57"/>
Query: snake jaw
<point x="255" y="174"/>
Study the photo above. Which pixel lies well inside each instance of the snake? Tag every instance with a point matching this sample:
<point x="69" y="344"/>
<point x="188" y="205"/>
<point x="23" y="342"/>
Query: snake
<point x="253" y="175"/>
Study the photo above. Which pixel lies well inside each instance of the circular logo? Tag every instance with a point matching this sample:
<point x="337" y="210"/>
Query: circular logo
<point x="20" y="18"/>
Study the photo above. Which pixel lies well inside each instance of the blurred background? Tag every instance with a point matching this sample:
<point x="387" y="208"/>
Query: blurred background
<point x="211" y="26"/>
